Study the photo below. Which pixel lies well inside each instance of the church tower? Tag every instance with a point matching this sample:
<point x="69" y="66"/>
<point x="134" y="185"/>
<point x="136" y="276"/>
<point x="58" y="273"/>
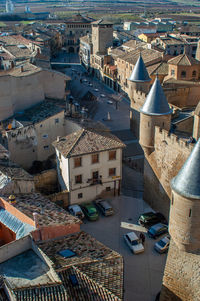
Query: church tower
<point x="181" y="279"/>
<point x="154" y="112"/>
<point x="139" y="83"/>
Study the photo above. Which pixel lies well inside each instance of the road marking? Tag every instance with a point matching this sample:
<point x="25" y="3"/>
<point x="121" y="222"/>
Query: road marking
<point x="133" y="227"/>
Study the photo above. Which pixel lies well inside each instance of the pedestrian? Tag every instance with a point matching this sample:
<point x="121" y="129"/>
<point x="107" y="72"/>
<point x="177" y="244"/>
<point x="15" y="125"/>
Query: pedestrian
<point x="142" y="237"/>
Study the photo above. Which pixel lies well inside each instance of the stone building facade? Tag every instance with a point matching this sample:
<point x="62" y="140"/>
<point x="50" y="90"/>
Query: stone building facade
<point x="165" y="150"/>
<point x="76" y="27"/>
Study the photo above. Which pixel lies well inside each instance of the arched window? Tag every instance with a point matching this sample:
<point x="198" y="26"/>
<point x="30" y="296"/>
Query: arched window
<point x="183" y="74"/>
<point x="194" y="73"/>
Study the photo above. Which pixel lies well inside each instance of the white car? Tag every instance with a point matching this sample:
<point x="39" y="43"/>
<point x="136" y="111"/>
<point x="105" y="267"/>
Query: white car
<point x="109" y="102"/>
<point x="102" y="95"/>
<point x="96" y="90"/>
<point x="134" y="243"/>
<point x="76" y="210"/>
<point x="162" y="245"/>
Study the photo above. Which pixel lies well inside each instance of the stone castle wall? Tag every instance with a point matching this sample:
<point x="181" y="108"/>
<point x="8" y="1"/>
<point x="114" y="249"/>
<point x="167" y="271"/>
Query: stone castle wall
<point x="181" y="281"/>
<point x="161" y="166"/>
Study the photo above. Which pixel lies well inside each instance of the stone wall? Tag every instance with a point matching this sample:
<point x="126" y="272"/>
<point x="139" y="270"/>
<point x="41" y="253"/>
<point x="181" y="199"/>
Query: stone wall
<point x="161" y="166"/>
<point x="181" y="280"/>
<point x="21" y="92"/>
<point x="46" y="182"/>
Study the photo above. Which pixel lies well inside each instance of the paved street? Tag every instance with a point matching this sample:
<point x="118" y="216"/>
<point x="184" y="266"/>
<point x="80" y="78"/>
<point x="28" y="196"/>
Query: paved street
<point x="143" y="272"/>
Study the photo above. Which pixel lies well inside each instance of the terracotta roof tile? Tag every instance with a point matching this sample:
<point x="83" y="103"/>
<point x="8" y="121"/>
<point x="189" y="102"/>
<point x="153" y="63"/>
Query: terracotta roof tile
<point x="87" y="141"/>
<point x="48" y="212"/>
<point x="86" y="248"/>
<point x="183" y="60"/>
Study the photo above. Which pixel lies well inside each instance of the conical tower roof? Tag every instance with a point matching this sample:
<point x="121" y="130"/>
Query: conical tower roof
<point x="156" y="102"/>
<point x="139" y="73"/>
<point x="187" y="182"/>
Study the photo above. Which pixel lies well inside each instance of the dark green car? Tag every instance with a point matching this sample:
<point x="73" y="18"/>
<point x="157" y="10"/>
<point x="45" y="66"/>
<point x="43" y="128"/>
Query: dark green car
<point x="151" y="218"/>
<point x="90" y="211"/>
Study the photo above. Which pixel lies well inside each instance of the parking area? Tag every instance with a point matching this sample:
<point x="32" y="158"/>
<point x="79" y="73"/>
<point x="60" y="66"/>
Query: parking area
<point x="143" y="272"/>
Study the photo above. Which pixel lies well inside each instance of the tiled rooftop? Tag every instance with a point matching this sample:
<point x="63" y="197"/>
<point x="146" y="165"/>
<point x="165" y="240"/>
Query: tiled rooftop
<point x="15" y="172"/>
<point x="27" y="70"/>
<point x="48" y="213"/>
<point x="86" y="289"/>
<point x="171" y="41"/>
<point x="183" y="60"/>
<point x="18" y="52"/>
<point x="14" y="40"/>
<point x="148" y="55"/>
<point x="87" y="249"/>
<point x="37" y="113"/>
<point x="87" y="141"/>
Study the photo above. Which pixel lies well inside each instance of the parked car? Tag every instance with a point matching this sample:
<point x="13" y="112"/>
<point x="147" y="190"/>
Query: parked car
<point x="157" y="230"/>
<point x="162" y="245"/>
<point x="134" y="243"/>
<point x="96" y="90"/>
<point x="104" y="207"/>
<point x="103" y="95"/>
<point x="109" y="102"/>
<point x="90" y="211"/>
<point x="151" y="218"/>
<point x="75" y="210"/>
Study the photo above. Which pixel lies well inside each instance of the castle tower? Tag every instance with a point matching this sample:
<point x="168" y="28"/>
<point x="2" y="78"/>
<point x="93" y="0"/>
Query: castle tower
<point x="154" y="112"/>
<point x="181" y="279"/>
<point x="102" y="36"/>
<point x="196" y="127"/>
<point x="140" y="77"/>
<point x="185" y="204"/>
<point x="139" y="82"/>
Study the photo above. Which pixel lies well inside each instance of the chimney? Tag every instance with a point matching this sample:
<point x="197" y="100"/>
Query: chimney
<point x="35" y="218"/>
<point x="22" y="68"/>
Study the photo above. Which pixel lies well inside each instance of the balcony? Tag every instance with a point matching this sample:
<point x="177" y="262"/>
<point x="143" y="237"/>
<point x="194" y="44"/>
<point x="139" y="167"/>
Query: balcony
<point x="95" y="181"/>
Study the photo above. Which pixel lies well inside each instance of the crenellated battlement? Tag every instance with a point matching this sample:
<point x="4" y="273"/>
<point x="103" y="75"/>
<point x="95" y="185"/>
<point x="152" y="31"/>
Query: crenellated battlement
<point x="171" y="139"/>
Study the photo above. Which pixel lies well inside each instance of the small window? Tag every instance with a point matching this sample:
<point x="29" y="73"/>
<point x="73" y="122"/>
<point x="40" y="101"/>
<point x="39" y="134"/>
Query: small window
<point x="45" y="136"/>
<point x="95" y="158"/>
<point x="112" y="155"/>
<point x="112" y="172"/>
<point x="57" y="120"/>
<point x="80" y="195"/>
<point x="108" y="188"/>
<point x="41" y="125"/>
<point x="60" y="156"/>
<point x="194" y="73"/>
<point x="46" y="147"/>
<point x="172" y="202"/>
<point x="190" y="212"/>
<point x="172" y="72"/>
<point x="77" y="162"/>
<point x="78" y="179"/>
<point x="183" y="74"/>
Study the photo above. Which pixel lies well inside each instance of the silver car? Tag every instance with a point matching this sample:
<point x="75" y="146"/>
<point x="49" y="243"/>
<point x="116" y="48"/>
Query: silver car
<point x="162" y="245"/>
<point x="75" y="210"/>
<point x="104" y="207"/>
<point x="134" y="243"/>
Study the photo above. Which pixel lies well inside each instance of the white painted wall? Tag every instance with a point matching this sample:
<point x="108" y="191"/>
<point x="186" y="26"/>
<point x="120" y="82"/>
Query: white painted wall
<point x="90" y="192"/>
